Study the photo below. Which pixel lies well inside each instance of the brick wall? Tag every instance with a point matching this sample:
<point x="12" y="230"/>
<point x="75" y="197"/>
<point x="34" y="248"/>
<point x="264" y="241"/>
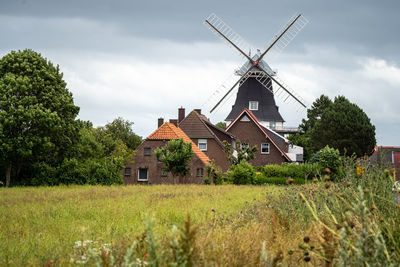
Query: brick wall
<point x="249" y="132"/>
<point x="154" y="167"/>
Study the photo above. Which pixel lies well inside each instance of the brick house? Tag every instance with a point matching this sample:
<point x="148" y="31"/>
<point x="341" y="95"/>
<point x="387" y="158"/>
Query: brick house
<point x="388" y="157"/>
<point x="272" y="147"/>
<point x="208" y="137"/>
<point x="146" y="169"/>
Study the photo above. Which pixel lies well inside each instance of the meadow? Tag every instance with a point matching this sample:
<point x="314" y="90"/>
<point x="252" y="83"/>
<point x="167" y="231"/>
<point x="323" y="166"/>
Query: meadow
<point x="321" y="223"/>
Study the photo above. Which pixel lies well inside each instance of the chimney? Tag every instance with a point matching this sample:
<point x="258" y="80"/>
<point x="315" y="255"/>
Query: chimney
<point x="181" y="114"/>
<point x="160" y="122"/>
<point x="198" y="111"/>
<point x="174" y="122"/>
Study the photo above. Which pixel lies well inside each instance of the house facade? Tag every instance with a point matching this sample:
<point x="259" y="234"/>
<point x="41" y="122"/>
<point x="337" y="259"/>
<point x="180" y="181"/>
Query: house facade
<point x="388" y="157"/>
<point x="208" y="137"/>
<point x="144" y="168"/>
<point x="272" y="147"/>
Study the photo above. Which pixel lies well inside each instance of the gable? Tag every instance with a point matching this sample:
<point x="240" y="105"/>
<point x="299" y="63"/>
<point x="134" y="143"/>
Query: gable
<point x="253" y="120"/>
<point x="194" y="127"/>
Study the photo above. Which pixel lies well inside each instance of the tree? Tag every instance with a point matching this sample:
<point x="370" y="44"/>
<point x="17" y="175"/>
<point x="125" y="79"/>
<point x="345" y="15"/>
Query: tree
<point x="339" y="124"/>
<point x="238" y="154"/>
<point x="122" y="129"/>
<point x="37" y="112"/>
<point x="345" y="126"/>
<point x="175" y="155"/>
<point x="221" y="125"/>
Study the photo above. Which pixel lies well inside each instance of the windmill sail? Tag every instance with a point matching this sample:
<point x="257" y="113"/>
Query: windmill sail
<point x="282" y="39"/>
<point x="227" y="34"/>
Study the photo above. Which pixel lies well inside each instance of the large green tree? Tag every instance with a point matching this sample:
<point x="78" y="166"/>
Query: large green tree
<point x="340" y="124"/>
<point x="37" y="112"/>
<point x="175" y="155"/>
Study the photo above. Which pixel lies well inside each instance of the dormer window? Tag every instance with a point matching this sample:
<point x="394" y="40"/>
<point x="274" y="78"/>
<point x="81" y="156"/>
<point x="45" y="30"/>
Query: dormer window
<point x="202" y="144"/>
<point x="253" y="105"/>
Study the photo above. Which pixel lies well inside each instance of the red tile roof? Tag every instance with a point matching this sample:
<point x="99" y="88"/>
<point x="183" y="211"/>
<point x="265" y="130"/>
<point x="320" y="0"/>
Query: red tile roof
<point x="169" y="131"/>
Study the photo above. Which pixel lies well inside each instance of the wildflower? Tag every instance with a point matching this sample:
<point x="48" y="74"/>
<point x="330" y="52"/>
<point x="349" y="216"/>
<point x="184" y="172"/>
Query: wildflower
<point x="106" y="255"/>
<point x="51" y="261"/>
<point x="146" y="255"/>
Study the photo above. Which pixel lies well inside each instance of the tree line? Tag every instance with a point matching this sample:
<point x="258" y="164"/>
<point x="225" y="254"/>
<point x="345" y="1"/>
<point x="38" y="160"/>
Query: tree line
<point x="42" y="142"/>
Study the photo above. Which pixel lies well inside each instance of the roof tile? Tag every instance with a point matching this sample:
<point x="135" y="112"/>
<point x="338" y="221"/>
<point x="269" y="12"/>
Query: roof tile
<point x="169" y="131"/>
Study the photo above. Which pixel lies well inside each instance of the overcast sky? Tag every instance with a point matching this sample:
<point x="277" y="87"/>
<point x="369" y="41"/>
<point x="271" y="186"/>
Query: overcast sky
<point x="141" y="60"/>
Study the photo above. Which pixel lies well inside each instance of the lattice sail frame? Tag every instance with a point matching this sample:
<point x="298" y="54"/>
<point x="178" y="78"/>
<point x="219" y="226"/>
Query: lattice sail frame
<point x="275" y="46"/>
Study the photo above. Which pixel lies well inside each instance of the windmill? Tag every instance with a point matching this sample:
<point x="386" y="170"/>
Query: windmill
<point x="258" y="83"/>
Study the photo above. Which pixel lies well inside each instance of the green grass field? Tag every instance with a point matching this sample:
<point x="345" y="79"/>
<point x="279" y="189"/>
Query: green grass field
<point x="315" y="224"/>
<point x="42" y="224"/>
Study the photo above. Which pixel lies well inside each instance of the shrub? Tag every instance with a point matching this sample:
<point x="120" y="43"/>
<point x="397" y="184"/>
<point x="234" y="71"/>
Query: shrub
<point x="302" y="171"/>
<point x="243" y="173"/>
<point x="261" y="179"/>
<point x="214" y="174"/>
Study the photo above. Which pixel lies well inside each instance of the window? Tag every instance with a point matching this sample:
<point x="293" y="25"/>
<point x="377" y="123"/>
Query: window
<point x="127" y="171"/>
<point x="272" y="124"/>
<point x="253" y="105"/>
<point x="200" y="172"/>
<point x="265" y="148"/>
<point x="164" y="172"/>
<point x="202" y="144"/>
<point x="147" y="151"/>
<point x="143" y="174"/>
<point x="245" y="145"/>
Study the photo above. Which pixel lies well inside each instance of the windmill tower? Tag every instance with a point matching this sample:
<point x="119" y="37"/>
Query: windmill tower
<point x="258" y="83"/>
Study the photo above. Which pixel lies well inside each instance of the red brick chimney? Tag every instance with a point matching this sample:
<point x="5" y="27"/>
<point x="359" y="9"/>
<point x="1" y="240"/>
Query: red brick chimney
<point x="174" y="122"/>
<point x="198" y="111"/>
<point x="181" y="114"/>
<point x="160" y="122"/>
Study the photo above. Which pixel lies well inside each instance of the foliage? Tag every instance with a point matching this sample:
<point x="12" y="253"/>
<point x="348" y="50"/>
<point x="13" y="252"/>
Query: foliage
<point x="37" y="114"/>
<point x="301" y="171"/>
<point x="242" y="173"/>
<point x="176" y="156"/>
<point x="42" y="143"/>
<point x="221" y="125"/>
<point x="214" y="173"/>
<point x="339" y="124"/>
<point x="237" y="154"/>
<point x="261" y="179"/>
<point x="330" y="158"/>
<point x="120" y="129"/>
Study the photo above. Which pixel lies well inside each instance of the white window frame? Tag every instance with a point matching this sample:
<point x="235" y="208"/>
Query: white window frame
<point x="202" y="141"/>
<point x="253" y="102"/>
<point x="261" y="147"/>
<point x="138" y="175"/>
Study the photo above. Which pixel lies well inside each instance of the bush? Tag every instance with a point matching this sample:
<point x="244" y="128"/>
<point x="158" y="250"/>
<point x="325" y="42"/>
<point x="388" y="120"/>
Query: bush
<point x="243" y="173"/>
<point x="214" y="174"/>
<point x="302" y="171"/>
<point x="329" y="158"/>
<point x="261" y="179"/>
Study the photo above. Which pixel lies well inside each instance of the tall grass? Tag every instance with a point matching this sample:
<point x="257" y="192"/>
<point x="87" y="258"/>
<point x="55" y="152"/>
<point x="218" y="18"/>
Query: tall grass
<point x="43" y="224"/>
<point x="354" y="222"/>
